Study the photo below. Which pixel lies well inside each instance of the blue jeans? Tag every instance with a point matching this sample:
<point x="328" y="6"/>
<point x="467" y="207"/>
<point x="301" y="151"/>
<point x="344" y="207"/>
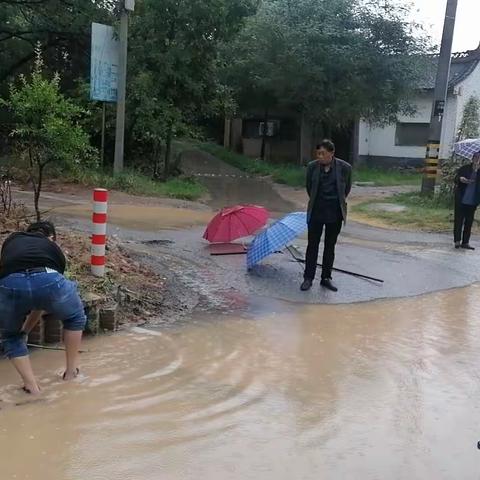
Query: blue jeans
<point x="21" y="293"/>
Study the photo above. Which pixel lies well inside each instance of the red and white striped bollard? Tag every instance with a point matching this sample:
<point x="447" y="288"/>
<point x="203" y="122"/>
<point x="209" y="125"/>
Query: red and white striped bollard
<point x="99" y="234"/>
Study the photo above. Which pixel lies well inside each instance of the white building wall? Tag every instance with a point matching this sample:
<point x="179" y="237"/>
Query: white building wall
<point x="363" y="138"/>
<point x="449" y="127"/>
<point x="380" y="141"/>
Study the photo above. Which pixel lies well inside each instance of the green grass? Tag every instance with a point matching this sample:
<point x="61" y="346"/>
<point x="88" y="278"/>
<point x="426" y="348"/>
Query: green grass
<point x="386" y="178"/>
<point x="291" y="175"/>
<point x="294" y="175"/>
<point x="422" y="213"/>
<point x="415" y="199"/>
<point x="130" y="181"/>
<point x="138" y="184"/>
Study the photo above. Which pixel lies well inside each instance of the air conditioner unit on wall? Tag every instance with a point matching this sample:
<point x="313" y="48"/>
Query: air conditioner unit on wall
<point x="130" y="5"/>
<point x="273" y="127"/>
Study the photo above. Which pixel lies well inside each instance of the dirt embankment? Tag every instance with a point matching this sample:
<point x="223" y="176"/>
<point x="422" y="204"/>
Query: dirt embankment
<point x="138" y="288"/>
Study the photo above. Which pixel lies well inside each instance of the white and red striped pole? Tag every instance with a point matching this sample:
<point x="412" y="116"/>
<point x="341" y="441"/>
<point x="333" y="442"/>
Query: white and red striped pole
<point x="99" y="235"/>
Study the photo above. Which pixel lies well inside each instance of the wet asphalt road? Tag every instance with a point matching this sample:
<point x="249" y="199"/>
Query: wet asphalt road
<point x="410" y="263"/>
<point x="408" y="268"/>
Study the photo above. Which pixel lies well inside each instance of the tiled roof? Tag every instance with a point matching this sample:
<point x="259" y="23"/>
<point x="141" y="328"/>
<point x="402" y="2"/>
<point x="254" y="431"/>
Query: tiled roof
<point x="463" y="64"/>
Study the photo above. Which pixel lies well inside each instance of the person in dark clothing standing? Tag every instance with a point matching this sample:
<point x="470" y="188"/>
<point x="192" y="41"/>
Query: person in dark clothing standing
<point x="32" y="281"/>
<point x="329" y="181"/>
<point x="467" y="199"/>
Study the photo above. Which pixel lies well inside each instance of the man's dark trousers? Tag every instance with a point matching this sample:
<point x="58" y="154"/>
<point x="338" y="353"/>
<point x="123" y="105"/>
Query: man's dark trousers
<point x="464" y="215"/>
<point x="315" y="230"/>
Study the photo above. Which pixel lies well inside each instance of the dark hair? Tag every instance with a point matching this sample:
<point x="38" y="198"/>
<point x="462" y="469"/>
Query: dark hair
<point x="45" y="228"/>
<point x="328" y="145"/>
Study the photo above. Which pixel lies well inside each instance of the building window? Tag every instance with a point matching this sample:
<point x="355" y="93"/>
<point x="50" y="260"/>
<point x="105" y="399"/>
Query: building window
<point x="411" y="134"/>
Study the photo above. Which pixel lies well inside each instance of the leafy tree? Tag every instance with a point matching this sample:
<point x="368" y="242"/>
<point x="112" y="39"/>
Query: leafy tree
<point x="46" y="130"/>
<point x="470" y="124"/>
<point x="332" y="61"/>
<point x="92" y="123"/>
<point x="449" y="170"/>
<point x="469" y="128"/>
<point x="61" y="26"/>
<point x="174" y="48"/>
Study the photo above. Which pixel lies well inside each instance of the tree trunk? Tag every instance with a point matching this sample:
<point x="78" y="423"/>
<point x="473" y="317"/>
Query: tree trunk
<point x="327" y="130"/>
<point x="301" y="138"/>
<point x="9" y="196"/>
<point x="177" y="164"/>
<point x="168" y="152"/>
<point x="37" y="190"/>
<point x="355" y="147"/>
<point x="157" y="151"/>
<point x="264" y="135"/>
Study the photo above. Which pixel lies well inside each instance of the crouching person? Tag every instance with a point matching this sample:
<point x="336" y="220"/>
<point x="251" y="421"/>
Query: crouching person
<point x="31" y="281"/>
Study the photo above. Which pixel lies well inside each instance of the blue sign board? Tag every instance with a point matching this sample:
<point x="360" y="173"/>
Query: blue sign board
<point x="104" y="64"/>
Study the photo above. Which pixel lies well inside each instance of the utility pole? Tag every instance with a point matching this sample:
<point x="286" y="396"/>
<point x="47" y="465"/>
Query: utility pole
<point x="125" y="6"/>
<point x="440" y="100"/>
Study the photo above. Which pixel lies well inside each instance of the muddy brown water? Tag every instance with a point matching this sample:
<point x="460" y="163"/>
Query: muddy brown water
<point x="384" y="390"/>
<point x="149" y="218"/>
<point x="153" y="218"/>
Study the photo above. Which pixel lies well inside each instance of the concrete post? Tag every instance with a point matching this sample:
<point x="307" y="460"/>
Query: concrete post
<point x="440" y="100"/>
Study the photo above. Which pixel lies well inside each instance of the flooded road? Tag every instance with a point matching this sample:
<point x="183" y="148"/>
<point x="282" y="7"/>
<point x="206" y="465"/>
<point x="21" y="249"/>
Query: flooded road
<point x="141" y="217"/>
<point x="229" y="186"/>
<point x="384" y="390"/>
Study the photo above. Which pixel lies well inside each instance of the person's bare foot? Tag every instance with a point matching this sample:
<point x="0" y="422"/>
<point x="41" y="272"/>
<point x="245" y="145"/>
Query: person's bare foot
<point x="70" y="374"/>
<point x="32" y="389"/>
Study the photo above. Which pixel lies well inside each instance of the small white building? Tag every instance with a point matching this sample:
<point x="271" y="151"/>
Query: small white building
<point x="404" y="143"/>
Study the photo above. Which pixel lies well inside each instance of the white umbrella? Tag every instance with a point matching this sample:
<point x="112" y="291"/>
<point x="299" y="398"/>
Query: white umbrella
<point x="467" y="148"/>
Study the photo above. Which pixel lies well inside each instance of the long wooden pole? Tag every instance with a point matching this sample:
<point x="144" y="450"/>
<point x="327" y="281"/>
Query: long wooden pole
<point x="293" y="251"/>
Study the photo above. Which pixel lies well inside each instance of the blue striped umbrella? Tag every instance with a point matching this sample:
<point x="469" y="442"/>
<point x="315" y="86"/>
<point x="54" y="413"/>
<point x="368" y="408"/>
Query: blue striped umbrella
<point x="276" y="237"/>
<point x="467" y="148"/>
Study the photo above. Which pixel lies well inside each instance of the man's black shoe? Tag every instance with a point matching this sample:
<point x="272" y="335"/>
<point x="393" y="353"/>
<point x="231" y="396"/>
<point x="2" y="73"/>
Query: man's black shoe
<point x="327" y="283"/>
<point x="306" y="285"/>
<point x="466" y="246"/>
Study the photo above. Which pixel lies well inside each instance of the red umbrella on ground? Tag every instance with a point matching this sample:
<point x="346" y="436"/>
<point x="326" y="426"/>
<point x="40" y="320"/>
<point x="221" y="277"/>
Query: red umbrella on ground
<point x="235" y="222"/>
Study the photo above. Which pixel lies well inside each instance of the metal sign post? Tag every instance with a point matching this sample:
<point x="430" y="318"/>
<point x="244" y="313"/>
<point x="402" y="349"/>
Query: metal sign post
<point x="104" y="71"/>
<point x="102" y="153"/>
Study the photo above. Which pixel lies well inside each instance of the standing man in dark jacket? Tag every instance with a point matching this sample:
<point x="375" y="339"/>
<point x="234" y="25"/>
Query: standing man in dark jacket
<point x="467" y="199"/>
<point x="329" y="181"/>
<point x="31" y="281"/>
